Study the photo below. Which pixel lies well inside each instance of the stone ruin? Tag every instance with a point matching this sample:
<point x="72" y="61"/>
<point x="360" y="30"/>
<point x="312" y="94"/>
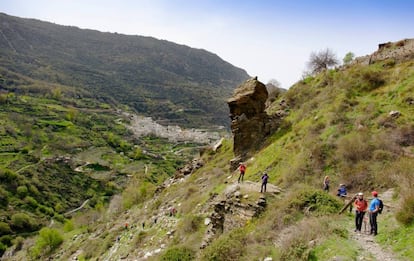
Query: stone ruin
<point x="400" y="51"/>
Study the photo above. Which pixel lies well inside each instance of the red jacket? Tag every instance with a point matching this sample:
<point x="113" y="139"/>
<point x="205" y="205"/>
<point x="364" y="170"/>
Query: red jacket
<point x="361" y="205"/>
<point x="242" y="168"/>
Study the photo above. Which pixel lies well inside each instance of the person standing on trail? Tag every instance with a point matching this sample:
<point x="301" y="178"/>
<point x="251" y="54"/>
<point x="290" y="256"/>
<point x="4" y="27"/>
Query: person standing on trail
<point x="326" y="183"/>
<point x="242" y="169"/>
<point x="373" y="213"/>
<point x="265" y="177"/>
<point x="361" y="206"/>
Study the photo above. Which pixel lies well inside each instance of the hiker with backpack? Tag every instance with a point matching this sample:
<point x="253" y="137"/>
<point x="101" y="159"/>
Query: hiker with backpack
<point x="361" y="206"/>
<point x="375" y="207"/>
<point x="242" y="169"/>
<point x="341" y="191"/>
<point x="265" y="177"/>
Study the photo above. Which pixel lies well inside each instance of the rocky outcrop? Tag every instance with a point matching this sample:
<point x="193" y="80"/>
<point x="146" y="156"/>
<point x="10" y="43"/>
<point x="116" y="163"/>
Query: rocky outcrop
<point x="250" y="124"/>
<point x="235" y="208"/>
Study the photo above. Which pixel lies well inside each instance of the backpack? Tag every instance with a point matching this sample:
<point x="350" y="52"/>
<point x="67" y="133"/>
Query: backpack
<point x="381" y="206"/>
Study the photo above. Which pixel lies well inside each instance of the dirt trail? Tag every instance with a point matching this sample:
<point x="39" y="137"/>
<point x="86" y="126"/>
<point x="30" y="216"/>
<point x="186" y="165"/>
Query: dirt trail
<point x="371" y="250"/>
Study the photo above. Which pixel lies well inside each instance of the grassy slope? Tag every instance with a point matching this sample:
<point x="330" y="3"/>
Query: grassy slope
<point x="338" y="125"/>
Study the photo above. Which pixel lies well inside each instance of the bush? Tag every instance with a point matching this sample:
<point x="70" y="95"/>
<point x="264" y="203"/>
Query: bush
<point x="191" y="223"/>
<point x="2" y="248"/>
<point x="315" y="201"/>
<point x="4" y="197"/>
<point x="49" y="239"/>
<point x="4" y="229"/>
<point x="227" y="247"/>
<point x="21" y="222"/>
<point x="406" y="214"/>
<point x="178" y="254"/>
<point x="354" y="147"/>
<point x="22" y="191"/>
<point x="401" y="171"/>
<point x="367" y="78"/>
<point x="68" y="226"/>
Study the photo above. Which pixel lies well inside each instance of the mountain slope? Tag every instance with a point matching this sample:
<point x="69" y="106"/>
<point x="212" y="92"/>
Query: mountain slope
<point x="157" y="78"/>
<point x="353" y="123"/>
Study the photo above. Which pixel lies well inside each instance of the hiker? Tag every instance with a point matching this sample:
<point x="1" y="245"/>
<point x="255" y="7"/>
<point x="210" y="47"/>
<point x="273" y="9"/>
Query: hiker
<point x="173" y="211"/>
<point x="326" y="183"/>
<point x="242" y="169"/>
<point x="361" y="206"/>
<point x="373" y="213"/>
<point x="341" y="191"/>
<point x="265" y="177"/>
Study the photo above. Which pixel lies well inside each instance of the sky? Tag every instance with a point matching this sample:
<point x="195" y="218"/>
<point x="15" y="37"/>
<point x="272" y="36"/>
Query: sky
<point x="269" y="39"/>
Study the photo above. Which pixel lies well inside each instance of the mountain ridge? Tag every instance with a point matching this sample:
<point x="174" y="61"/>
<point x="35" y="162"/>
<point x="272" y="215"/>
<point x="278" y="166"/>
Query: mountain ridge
<point x="135" y="70"/>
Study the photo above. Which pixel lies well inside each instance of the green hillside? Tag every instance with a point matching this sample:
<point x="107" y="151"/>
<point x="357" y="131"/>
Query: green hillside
<point x="157" y="78"/>
<point x="58" y="152"/>
<point x="338" y="124"/>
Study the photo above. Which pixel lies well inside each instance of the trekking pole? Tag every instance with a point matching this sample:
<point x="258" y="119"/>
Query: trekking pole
<point x="348" y="204"/>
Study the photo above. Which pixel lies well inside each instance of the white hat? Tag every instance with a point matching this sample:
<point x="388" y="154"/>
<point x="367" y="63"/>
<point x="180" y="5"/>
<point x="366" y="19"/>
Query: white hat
<point x="360" y="194"/>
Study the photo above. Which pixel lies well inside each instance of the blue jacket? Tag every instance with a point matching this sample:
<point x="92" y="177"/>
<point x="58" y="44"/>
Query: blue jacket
<point x="374" y="204"/>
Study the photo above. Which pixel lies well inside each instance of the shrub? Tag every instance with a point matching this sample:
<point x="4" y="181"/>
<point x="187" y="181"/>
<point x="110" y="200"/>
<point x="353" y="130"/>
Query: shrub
<point x="368" y="78"/>
<point x="295" y="245"/>
<point x="18" y="242"/>
<point x="354" y="147"/>
<point x="22" y="191"/>
<point x="178" y="254"/>
<point x="21" y="222"/>
<point x="406" y="214"/>
<point x="7" y="175"/>
<point x="4" y="228"/>
<point x="6" y="240"/>
<point x="191" y="223"/>
<point x="2" y="248"/>
<point x="68" y="226"/>
<point x="133" y="195"/>
<point x="49" y="239"/>
<point x="4" y="197"/>
<point x="227" y="247"/>
<point x="315" y="201"/>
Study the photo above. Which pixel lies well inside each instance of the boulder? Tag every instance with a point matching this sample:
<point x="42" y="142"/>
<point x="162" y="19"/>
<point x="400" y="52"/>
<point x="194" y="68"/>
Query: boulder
<point x="250" y="124"/>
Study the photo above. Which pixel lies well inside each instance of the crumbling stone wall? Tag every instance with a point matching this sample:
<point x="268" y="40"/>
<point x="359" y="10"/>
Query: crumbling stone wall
<point x="398" y="51"/>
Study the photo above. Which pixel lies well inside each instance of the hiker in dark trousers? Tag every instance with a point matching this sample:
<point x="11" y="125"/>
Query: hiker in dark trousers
<point x="361" y="207"/>
<point x="265" y="177"/>
<point x="326" y="183"/>
<point x="242" y="169"/>
<point x="373" y="213"/>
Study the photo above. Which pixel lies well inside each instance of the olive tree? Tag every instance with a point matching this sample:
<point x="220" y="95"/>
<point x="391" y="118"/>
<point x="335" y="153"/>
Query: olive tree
<point x="322" y="60"/>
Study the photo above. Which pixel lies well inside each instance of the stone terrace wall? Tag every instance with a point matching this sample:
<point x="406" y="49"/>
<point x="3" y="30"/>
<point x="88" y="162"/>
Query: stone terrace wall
<point x="398" y="51"/>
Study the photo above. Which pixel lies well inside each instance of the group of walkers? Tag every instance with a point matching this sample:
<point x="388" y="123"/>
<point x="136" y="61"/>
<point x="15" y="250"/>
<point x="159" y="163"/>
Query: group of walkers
<point x="361" y="207"/>
<point x="360" y="204"/>
<point x="265" y="177"/>
<point x="373" y="209"/>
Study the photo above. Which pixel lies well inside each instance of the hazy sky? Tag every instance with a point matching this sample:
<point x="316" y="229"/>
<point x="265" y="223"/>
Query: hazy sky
<point x="269" y="39"/>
